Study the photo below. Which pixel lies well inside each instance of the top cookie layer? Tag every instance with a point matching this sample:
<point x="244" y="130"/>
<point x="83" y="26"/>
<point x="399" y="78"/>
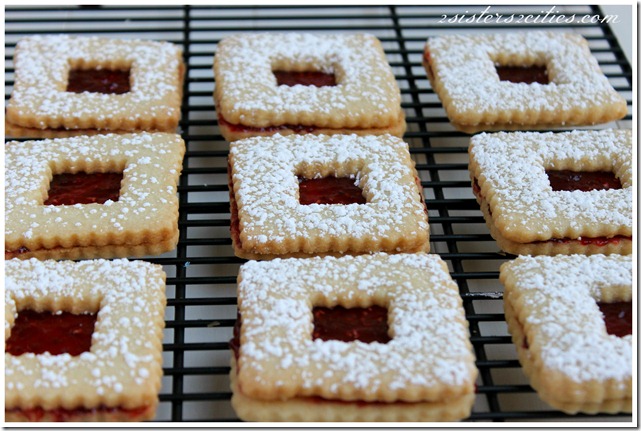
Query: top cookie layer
<point x="511" y="172"/>
<point x="428" y="358"/>
<point x="272" y="220"/>
<point x="147" y="209"/>
<point x="42" y="63"/>
<point x="123" y="366"/>
<point x="463" y="71"/>
<point x="366" y="94"/>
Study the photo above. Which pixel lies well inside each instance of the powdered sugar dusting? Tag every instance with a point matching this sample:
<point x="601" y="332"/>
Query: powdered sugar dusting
<point x="429" y="351"/>
<point x="266" y="189"/>
<point x="42" y="66"/>
<point x="366" y="93"/>
<point x="119" y="352"/>
<point x="564" y="320"/>
<point x="465" y="64"/>
<point x="30" y="165"/>
<point x="510" y="169"/>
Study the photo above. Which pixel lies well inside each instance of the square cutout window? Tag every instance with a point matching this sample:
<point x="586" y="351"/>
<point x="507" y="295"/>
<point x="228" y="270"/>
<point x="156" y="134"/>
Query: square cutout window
<point x="56" y="333"/>
<point x="523" y="74"/>
<point x="567" y="180"/>
<point x="330" y="190"/>
<point x="105" y="81"/>
<point x="617" y="317"/>
<point x="368" y="325"/>
<point x="84" y="188"/>
<point x="308" y="78"/>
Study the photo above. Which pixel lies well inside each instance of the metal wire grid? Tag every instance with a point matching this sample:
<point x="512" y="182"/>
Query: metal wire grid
<point x="202" y="270"/>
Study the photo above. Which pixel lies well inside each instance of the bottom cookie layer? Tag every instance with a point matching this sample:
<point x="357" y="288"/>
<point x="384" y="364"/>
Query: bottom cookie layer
<point x="93" y="252"/>
<point x="234" y="132"/>
<point x="564" y="246"/>
<point x="316" y="409"/>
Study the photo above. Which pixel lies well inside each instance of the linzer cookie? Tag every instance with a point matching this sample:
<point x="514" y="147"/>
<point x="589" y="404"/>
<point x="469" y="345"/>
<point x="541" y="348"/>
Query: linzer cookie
<point x="519" y="81"/>
<point x="67" y="85"/>
<point x="305" y="83"/>
<point x="368" y="338"/>
<point x="83" y="340"/>
<point x="84" y="197"/>
<point x="305" y="195"/>
<point x="555" y="193"/>
<point x="571" y="321"/>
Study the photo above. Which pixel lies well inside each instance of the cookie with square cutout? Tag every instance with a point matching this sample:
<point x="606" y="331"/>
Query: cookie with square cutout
<point x="85" y="197"/>
<point x="422" y="370"/>
<point x="274" y="216"/>
<point x="299" y="83"/>
<point x="83" y="340"/>
<point x="555" y="193"/>
<point x="520" y="81"/>
<point x="68" y="85"/>
<point x="571" y="322"/>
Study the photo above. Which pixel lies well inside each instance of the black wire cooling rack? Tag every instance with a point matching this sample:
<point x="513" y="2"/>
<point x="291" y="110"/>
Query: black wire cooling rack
<point x="202" y="270"/>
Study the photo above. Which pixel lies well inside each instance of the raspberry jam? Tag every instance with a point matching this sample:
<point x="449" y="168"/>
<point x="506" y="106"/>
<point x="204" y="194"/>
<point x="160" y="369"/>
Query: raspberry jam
<point x="617" y="317"/>
<point x="565" y="180"/>
<point x="37" y="414"/>
<point x="330" y="190"/>
<point x="520" y="74"/>
<point x="83" y="188"/>
<point x="316" y="79"/>
<point x="598" y="241"/>
<point x="368" y="325"/>
<point x="35" y="332"/>
<point x="103" y="81"/>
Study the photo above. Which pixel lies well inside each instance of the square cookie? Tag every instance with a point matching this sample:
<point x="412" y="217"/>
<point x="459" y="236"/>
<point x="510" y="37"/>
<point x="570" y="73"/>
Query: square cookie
<point x="555" y="193"/>
<point x="571" y="321"/>
<point x="83" y="340"/>
<point x="84" y="197"/>
<point x="520" y="81"/>
<point x="308" y="349"/>
<point x="69" y="85"/>
<point x="282" y="191"/>
<point x="305" y="83"/>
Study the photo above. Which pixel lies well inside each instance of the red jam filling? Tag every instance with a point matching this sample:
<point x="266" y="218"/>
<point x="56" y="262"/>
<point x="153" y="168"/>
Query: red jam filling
<point x="35" y="332"/>
<point x="520" y="74"/>
<point x="565" y="180"/>
<point x="599" y="241"/>
<point x="99" y="81"/>
<point x="316" y="79"/>
<point x="82" y="188"/>
<point x="368" y="325"/>
<point x="330" y="190"/>
<point x="617" y="317"/>
<point x="37" y="414"/>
